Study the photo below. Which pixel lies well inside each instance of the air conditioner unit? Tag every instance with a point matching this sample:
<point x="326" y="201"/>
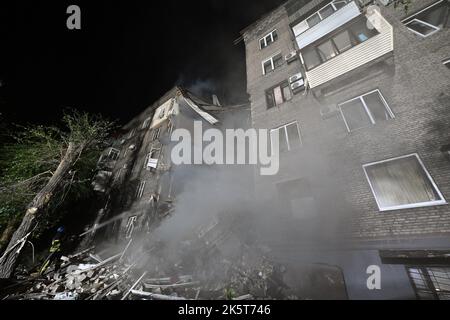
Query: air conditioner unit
<point x="291" y="56"/>
<point x="297" y="86"/>
<point x="295" y="78"/>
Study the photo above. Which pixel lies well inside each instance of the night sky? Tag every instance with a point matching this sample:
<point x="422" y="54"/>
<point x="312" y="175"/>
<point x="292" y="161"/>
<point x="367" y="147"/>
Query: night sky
<point x="126" y="55"/>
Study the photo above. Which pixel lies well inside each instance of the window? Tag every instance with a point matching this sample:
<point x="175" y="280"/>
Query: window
<point x="140" y="189"/>
<point x="268" y="39"/>
<point x="319" y="15"/>
<point x="156" y="133"/>
<point x="162" y="113"/>
<point x="118" y="175"/>
<point x="146" y="123"/>
<point x="132" y="132"/>
<point x="355" y="33"/>
<point x="113" y="154"/>
<point x="289" y="136"/>
<point x="446" y="63"/>
<point x="365" y="110"/>
<point x="278" y="95"/>
<point x="402" y="183"/>
<point x="429" y="20"/>
<point x="130" y="226"/>
<point x="430" y="283"/>
<point x="151" y="160"/>
<point x="273" y="63"/>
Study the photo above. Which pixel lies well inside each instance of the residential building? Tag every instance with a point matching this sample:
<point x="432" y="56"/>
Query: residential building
<point x="137" y="183"/>
<point x="360" y="94"/>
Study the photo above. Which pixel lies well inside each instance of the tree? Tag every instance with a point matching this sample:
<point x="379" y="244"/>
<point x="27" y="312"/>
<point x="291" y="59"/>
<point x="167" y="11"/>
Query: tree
<point x="38" y="168"/>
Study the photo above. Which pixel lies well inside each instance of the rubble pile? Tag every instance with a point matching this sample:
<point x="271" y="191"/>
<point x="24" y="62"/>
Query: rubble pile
<point x="213" y="264"/>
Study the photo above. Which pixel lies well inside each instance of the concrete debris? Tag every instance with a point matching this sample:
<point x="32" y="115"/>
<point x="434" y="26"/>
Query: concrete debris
<point x="203" y="270"/>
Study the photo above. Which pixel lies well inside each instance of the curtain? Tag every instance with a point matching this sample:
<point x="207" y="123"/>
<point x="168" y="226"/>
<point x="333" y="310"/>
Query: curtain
<point x="401" y="182"/>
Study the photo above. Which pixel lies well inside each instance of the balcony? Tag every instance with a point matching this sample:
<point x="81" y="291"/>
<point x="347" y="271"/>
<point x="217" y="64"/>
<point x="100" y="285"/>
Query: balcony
<point x="369" y="50"/>
<point x="324" y="21"/>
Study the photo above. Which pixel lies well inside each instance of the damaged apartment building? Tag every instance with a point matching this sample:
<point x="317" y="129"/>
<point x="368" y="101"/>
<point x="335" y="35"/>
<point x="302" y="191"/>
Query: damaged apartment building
<point x="359" y="92"/>
<point x="136" y="180"/>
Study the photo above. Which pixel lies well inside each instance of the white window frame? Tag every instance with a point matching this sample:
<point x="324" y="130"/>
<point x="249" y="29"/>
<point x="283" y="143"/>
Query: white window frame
<point x="284" y="127"/>
<point x="412" y="205"/>
<point x="366" y="108"/>
<point x="146" y="123"/>
<point x="270" y="34"/>
<point x="436" y="29"/>
<point x="446" y="62"/>
<point x="425" y="23"/>
<point x="332" y="3"/>
<point x="147" y="157"/>
<point x="140" y="189"/>
<point x="271" y="63"/>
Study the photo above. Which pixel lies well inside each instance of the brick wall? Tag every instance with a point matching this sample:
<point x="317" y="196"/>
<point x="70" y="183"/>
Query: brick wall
<point x="416" y="86"/>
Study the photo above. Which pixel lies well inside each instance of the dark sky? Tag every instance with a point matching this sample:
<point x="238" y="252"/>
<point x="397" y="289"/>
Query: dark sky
<point x="126" y="55"/>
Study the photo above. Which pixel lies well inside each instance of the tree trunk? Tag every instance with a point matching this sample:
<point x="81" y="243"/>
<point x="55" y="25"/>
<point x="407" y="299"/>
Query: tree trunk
<point x="7" y="234"/>
<point x="9" y="261"/>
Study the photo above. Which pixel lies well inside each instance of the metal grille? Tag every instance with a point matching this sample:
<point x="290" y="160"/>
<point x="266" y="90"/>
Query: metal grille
<point x="430" y="282"/>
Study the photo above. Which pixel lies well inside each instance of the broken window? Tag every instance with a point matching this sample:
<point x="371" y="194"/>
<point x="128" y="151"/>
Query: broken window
<point x="402" y="183"/>
<point x="318" y="16"/>
<point x="429" y="20"/>
<point x="272" y="63"/>
<point x="289" y="136"/>
<point x="146" y="123"/>
<point x="336" y="43"/>
<point x="156" y="133"/>
<point x="113" y="154"/>
<point x="430" y="283"/>
<point x="365" y="110"/>
<point x="278" y="95"/>
<point x="131" y="134"/>
<point x="140" y="189"/>
<point x="268" y="39"/>
<point x="118" y="175"/>
<point x="151" y="160"/>
<point x="130" y="226"/>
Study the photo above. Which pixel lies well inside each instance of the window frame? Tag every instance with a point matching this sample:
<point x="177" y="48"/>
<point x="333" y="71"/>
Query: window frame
<point x="156" y="133"/>
<point x="282" y="85"/>
<point x="317" y="12"/>
<point x="131" y="134"/>
<point x="436" y="29"/>
<point x="271" y="59"/>
<point x="366" y="109"/>
<point x="330" y="38"/>
<point x="411" y="205"/>
<point x="446" y="63"/>
<point x="427" y="279"/>
<point x="140" y="189"/>
<point x="270" y="34"/>
<point x="412" y="18"/>
<point x="114" y="150"/>
<point x="146" y="123"/>
<point x="130" y="227"/>
<point x="287" y="136"/>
